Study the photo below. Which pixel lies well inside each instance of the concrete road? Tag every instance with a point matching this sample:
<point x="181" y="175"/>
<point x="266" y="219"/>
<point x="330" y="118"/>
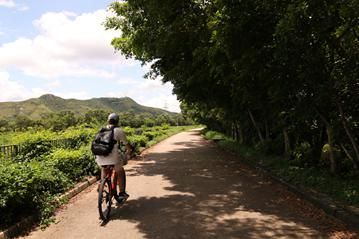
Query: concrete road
<point x="186" y="187"/>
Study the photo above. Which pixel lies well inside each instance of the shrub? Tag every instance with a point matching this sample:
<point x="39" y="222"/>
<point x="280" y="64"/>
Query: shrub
<point x="271" y="146"/>
<point x="33" y="136"/>
<point x="129" y="131"/>
<point x="214" y="136"/>
<point x="303" y="154"/>
<point x="139" y="140"/>
<point x="152" y="135"/>
<point x="75" y="164"/>
<point x="33" y="150"/>
<point x="25" y="188"/>
<point x="77" y="137"/>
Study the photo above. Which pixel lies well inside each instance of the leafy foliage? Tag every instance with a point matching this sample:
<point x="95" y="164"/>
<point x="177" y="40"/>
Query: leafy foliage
<point x="25" y="188"/>
<point x="274" y="75"/>
<point x="73" y="163"/>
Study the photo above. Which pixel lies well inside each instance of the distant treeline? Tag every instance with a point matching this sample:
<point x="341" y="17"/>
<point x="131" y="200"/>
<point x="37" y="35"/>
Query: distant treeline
<point x="65" y="119"/>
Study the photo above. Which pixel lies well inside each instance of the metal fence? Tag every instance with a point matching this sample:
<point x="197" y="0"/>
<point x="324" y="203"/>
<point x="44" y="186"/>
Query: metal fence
<point x="9" y="151"/>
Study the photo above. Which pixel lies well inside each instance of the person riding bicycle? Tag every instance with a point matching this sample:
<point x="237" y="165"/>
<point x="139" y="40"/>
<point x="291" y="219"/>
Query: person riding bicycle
<point x="114" y="158"/>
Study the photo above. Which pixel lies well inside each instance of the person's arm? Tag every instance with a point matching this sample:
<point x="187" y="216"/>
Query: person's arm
<point x="121" y="137"/>
<point x="129" y="150"/>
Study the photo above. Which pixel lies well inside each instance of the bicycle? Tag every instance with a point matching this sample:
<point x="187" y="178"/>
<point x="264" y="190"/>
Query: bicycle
<point x="108" y="190"/>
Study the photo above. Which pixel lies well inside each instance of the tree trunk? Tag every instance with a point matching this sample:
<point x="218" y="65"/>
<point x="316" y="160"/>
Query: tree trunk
<point x="256" y="127"/>
<point x="329" y="130"/>
<point x="286" y="142"/>
<point x="349" y="134"/>
<point x="233" y="131"/>
<point x="267" y="129"/>
<point x="355" y="164"/>
<point x="333" y="165"/>
<point x="240" y="133"/>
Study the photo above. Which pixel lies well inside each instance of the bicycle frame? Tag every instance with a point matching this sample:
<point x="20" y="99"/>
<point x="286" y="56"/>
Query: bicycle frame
<point x="107" y="191"/>
<point x="110" y="173"/>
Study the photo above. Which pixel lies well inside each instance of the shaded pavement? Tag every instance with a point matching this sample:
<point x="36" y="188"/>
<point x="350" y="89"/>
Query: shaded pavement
<point x="186" y="187"/>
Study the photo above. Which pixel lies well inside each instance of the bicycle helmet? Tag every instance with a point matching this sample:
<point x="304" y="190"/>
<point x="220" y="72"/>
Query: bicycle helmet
<point x="113" y="119"/>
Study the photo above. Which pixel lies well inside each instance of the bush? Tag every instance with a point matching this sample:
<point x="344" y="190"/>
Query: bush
<point x="33" y="150"/>
<point x="25" y="188"/>
<point x="129" y="131"/>
<point x="212" y="135"/>
<point x="152" y="135"/>
<point x="271" y="146"/>
<point x="77" y="137"/>
<point x="303" y="154"/>
<point x="75" y="164"/>
<point x="139" y="140"/>
<point x="32" y="136"/>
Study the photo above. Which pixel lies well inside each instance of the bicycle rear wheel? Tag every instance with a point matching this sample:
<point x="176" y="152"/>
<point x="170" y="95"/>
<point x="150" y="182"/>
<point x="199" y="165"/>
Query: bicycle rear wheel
<point x="104" y="199"/>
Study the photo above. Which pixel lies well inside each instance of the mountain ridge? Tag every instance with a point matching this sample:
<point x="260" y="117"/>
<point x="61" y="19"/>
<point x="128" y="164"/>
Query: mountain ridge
<point x="35" y="108"/>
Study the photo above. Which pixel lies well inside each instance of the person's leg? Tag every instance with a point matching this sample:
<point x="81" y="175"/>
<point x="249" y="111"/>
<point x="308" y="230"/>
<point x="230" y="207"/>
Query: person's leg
<point x="102" y="172"/>
<point x="121" y="179"/>
<point x="102" y="176"/>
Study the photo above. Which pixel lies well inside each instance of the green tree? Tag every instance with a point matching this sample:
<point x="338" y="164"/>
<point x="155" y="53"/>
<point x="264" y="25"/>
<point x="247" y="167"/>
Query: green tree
<point x="262" y="71"/>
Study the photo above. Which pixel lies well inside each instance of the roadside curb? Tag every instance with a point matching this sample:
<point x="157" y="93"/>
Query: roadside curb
<point x="29" y="222"/>
<point x="347" y="214"/>
<point x="78" y="188"/>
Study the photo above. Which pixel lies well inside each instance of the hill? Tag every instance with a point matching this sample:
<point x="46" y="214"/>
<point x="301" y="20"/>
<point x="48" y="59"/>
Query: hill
<point x="36" y="107"/>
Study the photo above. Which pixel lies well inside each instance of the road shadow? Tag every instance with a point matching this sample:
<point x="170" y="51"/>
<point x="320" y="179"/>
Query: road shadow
<point x="218" y="197"/>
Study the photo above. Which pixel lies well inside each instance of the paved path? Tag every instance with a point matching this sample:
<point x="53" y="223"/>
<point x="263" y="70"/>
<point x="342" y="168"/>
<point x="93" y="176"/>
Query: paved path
<point x="185" y="187"/>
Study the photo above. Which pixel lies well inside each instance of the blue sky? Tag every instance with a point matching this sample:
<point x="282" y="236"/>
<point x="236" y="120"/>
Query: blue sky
<point x="61" y="47"/>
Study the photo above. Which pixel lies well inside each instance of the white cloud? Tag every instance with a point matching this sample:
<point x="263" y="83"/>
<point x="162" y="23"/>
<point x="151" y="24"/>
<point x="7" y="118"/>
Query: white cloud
<point x="22" y="8"/>
<point x="13" y="91"/>
<point x="126" y="81"/>
<point x="167" y="102"/>
<point x="12" y="4"/>
<point x="7" y="3"/>
<point x="162" y="101"/>
<point x="67" y="45"/>
<point x="147" y="92"/>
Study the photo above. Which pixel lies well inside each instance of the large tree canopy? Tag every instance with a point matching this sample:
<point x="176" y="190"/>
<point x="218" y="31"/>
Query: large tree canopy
<point x="281" y="74"/>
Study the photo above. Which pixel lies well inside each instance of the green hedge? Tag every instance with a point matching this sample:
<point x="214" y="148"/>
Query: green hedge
<point x="30" y="187"/>
<point x="27" y="188"/>
<point x="74" y="163"/>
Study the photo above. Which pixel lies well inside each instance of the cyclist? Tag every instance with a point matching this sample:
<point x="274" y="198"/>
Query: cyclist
<point x="115" y="158"/>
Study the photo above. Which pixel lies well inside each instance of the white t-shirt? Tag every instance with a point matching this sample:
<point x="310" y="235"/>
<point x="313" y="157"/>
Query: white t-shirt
<point x="114" y="157"/>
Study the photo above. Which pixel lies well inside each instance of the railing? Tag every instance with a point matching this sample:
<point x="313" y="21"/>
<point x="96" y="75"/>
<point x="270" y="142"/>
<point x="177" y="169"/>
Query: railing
<point x="9" y="151"/>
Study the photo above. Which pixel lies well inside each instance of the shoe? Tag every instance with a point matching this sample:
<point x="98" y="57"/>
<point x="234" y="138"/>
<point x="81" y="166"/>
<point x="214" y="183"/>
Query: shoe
<point x="123" y="195"/>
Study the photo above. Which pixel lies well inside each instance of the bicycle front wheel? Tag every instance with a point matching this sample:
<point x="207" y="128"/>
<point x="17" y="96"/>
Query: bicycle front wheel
<point x="104" y="199"/>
